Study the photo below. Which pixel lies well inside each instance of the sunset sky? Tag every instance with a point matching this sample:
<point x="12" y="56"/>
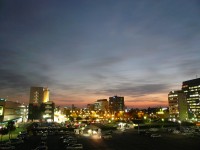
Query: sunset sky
<point x="84" y="50"/>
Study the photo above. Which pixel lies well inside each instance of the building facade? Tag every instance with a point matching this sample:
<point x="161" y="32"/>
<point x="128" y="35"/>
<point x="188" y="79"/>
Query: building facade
<point x="40" y="108"/>
<point x="101" y="104"/>
<point x="39" y="95"/>
<point x="178" y="107"/>
<point x="48" y="114"/>
<point x="191" y="88"/>
<point x="10" y="110"/>
<point x="116" y="103"/>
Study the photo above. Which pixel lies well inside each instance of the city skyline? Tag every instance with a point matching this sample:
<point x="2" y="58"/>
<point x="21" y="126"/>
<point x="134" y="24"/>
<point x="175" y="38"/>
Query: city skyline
<point x="89" y="50"/>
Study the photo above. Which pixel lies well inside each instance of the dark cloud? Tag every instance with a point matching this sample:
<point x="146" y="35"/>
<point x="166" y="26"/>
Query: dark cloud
<point x="9" y="57"/>
<point x="153" y="100"/>
<point x="129" y="89"/>
<point x="132" y="48"/>
<point x="189" y="66"/>
<point x="102" y="62"/>
<point x="12" y="79"/>
<point x="70" y="101"/>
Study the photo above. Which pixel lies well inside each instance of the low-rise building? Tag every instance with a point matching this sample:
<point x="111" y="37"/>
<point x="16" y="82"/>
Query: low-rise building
<point x="10" y="110"/>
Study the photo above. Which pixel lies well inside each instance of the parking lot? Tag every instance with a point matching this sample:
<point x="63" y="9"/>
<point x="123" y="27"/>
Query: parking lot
<point x="132" y="140"/>
<point x="128" y="139"/>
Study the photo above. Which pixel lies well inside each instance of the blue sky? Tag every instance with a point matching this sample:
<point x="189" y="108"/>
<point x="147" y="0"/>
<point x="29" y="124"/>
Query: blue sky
<point x="85" y="50"/>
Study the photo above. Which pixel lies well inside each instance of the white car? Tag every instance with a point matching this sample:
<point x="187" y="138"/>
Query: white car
<point x="176" y="132"/>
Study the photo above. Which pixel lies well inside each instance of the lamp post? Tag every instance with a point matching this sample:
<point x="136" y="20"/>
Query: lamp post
<point x="179" y="124"/>
<point x="163" y="122"/>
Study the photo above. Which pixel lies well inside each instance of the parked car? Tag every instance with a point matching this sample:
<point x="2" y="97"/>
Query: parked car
<point x="72" y="141"/>
<point x="176" y="132"/>
<point x="43" y="137"/>
<point x="15" y="141"/>
<point x="75" y="146"/>
<point x="7" y="146"/>
<point x="23" y="136"/>
<point x="43" y="143"/>
<point x="41" y="148"/>
<point x="67" y="137"/>
<point x="70" y="144"/>
<point x="155" y="135"/>
<point x="106" y="136"/>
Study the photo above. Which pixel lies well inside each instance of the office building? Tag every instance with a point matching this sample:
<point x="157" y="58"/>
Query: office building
<point x="40" y="108"/>
<point x="101" y="104"/>
<point x="178" y="108"/>
<point x="39" y="95"/>
<point x="116" y="104"/>
<point x="192" y="90"/>
<point x="90" y="107"/>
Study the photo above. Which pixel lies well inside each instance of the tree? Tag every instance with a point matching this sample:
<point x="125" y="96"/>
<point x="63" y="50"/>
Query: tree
<point x="3" y="131"/>
<point x="11" y="127"/>
<point x="78" y="118"/>
<point x="87" y="119"/>
<point x="71" y="118"/>
<point x="67" y="112"/>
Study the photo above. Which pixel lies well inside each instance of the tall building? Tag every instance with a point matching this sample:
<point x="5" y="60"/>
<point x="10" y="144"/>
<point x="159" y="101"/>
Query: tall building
<point x="40" y="108"/>
<point x="46" y="95"/>
<point x="116" y="104"/>
<point x="39" y="95"/>
<point x="177" y="105"/>
<point x="192" y="90"/>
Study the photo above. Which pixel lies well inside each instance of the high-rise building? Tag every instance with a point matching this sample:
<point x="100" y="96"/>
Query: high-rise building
<point x="40" y="108"/>
<point x="46" y="95"/>
<point x="177" y="105"/>
<point x="39" y="95"/>
<point x="173" y="99"/>
<point x="192" y="90"/>
<point x="116" y="103"/>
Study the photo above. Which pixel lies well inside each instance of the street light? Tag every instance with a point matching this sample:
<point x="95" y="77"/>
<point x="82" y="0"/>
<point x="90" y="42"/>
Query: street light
<point x="163" y="122"/>
<point x="179" y="124"/>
